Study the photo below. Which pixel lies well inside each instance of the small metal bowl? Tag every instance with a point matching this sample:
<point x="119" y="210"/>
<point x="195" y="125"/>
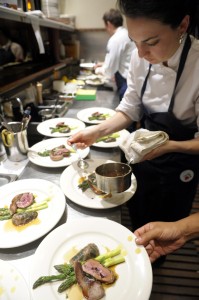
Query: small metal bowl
<point x="46" y="113"/>
<point x="113" y="177"/>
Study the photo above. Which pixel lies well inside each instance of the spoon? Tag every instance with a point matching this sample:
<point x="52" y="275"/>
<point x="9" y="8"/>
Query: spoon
<point x="82" y="164"/>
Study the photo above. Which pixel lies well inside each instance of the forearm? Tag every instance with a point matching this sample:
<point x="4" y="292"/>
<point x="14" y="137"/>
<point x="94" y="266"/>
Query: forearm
<point x="189" y="226"/>
<point x="116" y="123"/>
<point x="190" y="146"/>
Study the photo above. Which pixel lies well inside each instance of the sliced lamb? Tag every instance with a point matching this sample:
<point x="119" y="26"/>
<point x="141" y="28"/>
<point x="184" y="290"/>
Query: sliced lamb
<point x="98" y="271"/>
<point x="13" y="205"/>
<point x="25" y="200"/>
<point x="24" y="218"/>
<point x="91" y="289"/>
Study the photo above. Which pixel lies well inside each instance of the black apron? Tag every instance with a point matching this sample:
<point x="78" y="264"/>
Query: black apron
<point x="167" y="184"/>
<point x="121" y="83"/>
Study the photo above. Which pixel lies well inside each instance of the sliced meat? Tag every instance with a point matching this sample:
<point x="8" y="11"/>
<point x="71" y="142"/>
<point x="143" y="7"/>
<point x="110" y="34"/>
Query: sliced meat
<point x="60" y="124"/>
<point x="89" y="251"/>
<point x="96" y="114"/>
<point x="63" y="128"/>
<point x="24" y="218"/>
<point x="25" y="200"/>
<point x="98" y="271"/>
<point x="13" y="205"/>
<point x="95" y="189"/>
<point x="59" y="153"/>
<point x="91" y="289"/>
<point x="93" y="184"/>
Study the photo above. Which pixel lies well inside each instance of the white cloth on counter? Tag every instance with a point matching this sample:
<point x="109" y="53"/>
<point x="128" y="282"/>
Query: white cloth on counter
<point x="11" y="167"/>
<point x="140" y="142"/>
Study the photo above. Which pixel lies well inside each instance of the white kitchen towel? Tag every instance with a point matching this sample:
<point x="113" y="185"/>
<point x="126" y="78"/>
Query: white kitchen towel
<point x="141" y="142"/>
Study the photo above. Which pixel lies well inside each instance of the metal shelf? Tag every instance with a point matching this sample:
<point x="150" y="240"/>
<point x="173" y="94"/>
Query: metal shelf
<point x="15" y="15"/>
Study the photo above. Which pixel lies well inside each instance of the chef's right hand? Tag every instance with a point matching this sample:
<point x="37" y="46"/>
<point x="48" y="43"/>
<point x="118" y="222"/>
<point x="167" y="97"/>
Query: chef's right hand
<point x="84" y="138"/>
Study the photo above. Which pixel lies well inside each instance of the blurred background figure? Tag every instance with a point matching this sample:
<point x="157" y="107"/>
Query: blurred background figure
<point x="118" y="52"/>
<point x="9" y="50"/>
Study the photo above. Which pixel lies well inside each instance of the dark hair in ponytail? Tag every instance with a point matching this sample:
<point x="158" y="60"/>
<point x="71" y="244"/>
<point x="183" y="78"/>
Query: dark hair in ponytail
<point x="170" y="12"/>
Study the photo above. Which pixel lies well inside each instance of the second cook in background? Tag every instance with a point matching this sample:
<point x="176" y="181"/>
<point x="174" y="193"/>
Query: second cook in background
<point x="163" y="88"/>
<point x="118" y="52"/>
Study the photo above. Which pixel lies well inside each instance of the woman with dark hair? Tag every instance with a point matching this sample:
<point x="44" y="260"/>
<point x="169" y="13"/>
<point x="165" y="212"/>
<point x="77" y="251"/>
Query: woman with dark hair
<point x="163" y="91"/>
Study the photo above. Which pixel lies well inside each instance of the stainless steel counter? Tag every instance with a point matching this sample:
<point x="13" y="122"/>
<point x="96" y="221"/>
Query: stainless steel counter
<point x="104" y="99"/>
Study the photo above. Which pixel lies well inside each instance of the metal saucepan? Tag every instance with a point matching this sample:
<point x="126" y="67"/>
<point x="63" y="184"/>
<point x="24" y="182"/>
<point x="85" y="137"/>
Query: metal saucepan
<point x="113" y="177"/>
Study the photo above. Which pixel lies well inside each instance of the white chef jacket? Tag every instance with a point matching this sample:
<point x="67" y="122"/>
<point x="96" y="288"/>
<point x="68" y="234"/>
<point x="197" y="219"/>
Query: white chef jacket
<point x="118" y="54"/>
<point x="160" y="87"/>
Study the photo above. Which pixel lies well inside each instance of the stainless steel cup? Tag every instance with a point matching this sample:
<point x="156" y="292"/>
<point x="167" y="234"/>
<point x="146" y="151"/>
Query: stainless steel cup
<point x="113" y="177"/>
<point x="16" y="142"/>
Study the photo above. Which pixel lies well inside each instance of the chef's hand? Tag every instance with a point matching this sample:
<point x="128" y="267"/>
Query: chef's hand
<point x="160" y="238"/>
<point x="84" y="138"/>
<point x="161" y="150"/>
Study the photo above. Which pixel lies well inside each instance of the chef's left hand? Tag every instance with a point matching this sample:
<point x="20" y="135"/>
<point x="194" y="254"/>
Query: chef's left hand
<point x="161" y="150"/>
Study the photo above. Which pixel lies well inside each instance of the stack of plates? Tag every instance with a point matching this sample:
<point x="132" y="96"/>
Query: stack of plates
<point x="50" y="8"/>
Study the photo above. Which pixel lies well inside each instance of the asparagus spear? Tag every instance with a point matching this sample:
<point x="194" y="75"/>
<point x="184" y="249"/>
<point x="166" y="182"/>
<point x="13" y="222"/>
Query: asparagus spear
<point x="34" y="207"/>
<point x="44" y="279"/>
<point x="5" y="217"/>
<point x="70" y="280"/>
<point x="114" y="135"/>
<point x="4" y="211"/>
<point x="118" y="259"/>
<point x="64" y="268"/>
<point x="101" y="258"/>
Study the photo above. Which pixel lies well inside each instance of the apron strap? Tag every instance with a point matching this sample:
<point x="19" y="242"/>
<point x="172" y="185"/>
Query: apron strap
<point x="145" y="83"/>
<point x="183" y="58"/>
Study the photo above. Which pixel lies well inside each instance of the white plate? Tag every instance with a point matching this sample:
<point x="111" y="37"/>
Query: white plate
<point x="87" y="65"/>
<point x="84" y="114"/>
<point x="91" y="80"/>
<point x="48" y="145"/>
<point x="74" y="124"/>
<point x="13" y="237"/>
<point x="12" y="283"/>
<point x="69" y="181"/>
<point x="95" y="83"/>
<point x="135" y="274"/>
<point x="123" y="134"/>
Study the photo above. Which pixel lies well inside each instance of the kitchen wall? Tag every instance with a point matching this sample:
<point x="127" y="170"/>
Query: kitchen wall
<point x="88" y="19"/>
<point x="88" y="13"/>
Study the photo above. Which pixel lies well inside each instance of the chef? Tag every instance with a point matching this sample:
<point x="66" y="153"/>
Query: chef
<point x="163" y="91"/>
<point x="118" y="52"/>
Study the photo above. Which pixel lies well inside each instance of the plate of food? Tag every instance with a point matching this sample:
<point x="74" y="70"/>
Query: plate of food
<point x="81" y="244"/>
<point x="29" y="208"/>
<point x="60" y="127"/>
<point x="95" y="115"/>
<point x="54" y="152"/>
<point x="111" y="140"/>
<point x="75" y="185"/>
<point x="95" y="80"/>
<point x="12" y="283"/>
